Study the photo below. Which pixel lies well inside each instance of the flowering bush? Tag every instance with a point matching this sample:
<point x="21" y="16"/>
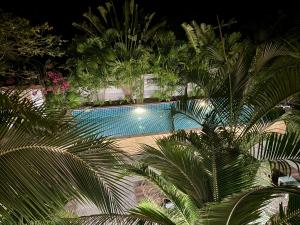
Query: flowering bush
<point x="59" y="93"/>
<point x="58" y="82"/>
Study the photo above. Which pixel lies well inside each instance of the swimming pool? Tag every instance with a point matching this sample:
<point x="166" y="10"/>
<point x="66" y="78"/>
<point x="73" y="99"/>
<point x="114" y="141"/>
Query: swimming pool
<point x="134" y="120"/>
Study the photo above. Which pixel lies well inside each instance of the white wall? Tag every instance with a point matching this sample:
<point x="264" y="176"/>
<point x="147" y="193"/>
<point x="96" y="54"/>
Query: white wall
<point x="113" y="93"/>
<point x="37" y="96"/>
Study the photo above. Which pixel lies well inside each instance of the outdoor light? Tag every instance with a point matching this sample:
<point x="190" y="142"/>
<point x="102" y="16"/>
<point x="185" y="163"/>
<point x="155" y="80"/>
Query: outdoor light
<point x="139" y="110"/>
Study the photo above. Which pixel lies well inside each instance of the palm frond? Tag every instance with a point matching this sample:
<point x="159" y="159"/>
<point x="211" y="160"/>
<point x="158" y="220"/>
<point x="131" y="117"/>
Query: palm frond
<point x="282" y="150"/>
<point x="41" y="172"/>
<point x="289" y="214"/>
<point x="269" y="51"/>
<point x="94" y="21"/>
<point x="292" y="120"/>
<point x="184" y="208"/>
<point x="197" y="110"/>
<point x="18" y="111"/>
<point x="199" y="166"/>
<point x="171" y="158"/>
<point x="146" y="212"/>
<point x="199" y="36"/>
<point x="244" y="207"/>
<point x="283" y="84"/>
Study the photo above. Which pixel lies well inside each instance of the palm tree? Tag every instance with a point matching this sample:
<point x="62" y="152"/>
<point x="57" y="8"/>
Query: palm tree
<point x="47" y="160"/>
<point x="171" y="59"/>
<point x="128" y="31"/>
<point x="128" y="24"/>
<point x="175" y="63"/>
<point x="92" y="60"/>
<point x="129" y="69"/>
<point x="219" y="170"/>
<point x="178" y="63"/>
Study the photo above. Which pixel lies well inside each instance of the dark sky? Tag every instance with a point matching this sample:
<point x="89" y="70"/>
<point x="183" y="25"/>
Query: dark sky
<point x="251" y="15"/>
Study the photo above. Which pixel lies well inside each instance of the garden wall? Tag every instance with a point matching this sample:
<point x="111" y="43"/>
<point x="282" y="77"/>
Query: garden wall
<point x="150" y="88"/>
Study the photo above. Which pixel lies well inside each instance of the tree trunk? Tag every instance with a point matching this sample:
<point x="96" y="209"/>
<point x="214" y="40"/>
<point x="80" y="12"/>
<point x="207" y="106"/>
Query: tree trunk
<point x="128" y="93"/>
<point x="141" y="90"/>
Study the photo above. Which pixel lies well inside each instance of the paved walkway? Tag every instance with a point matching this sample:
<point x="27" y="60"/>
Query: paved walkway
<point x="132" y="145"/>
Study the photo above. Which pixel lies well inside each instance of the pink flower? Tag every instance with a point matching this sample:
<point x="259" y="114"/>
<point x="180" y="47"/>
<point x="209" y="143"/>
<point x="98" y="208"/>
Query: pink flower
<point x="34" y="93"/>
<point x="55" y="81"/>
<point x="54" y="75"/>
<point x="58" y="81"/>
<point x="50" y="74"/>
<point x="64" y="86"/>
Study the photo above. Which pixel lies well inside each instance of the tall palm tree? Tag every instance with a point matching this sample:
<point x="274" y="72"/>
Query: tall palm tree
<point x="129" y="24"/>
<point x="47" y="160"/>
<point x="219" y="168"/>
<point x="129" y="32"/>
<point x="179" y="63"/>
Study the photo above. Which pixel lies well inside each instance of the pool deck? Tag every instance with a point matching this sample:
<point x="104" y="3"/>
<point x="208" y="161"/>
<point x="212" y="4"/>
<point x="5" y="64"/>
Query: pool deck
<point x="132" y="145"/>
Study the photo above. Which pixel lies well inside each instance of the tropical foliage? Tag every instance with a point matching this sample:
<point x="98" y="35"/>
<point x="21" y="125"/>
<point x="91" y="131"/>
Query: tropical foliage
<point x="21" y="44"/>
<point x="129" y="23"/>
<point x="219" y="174"/>
<point x="210" y="174"/>
<point x="128" y="32"/>
<point x="46" y="161"/>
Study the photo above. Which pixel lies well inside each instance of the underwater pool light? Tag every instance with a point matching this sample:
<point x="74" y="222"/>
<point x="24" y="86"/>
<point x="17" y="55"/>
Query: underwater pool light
<point x="139" y="110"/>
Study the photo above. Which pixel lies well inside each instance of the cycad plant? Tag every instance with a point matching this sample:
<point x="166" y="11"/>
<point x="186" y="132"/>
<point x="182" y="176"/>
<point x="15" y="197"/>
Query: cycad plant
<point x="220" y="173"/>
<point x="47" y="160"/>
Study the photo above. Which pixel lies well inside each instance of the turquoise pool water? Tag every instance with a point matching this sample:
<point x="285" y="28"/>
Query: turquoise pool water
<point x="134" y="120"/>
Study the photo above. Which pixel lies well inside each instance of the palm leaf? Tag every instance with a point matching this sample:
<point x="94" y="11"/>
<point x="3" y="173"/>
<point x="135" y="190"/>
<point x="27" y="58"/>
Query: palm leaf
<point x="184" y="209"/>
<point x="243" y="208"/>
<point x="269" y="51"/>
<point x="282" y="150"/>
<point x="198" y="165"/>
<point x="283" y="84"/>
<point x="146" y="212"/>
<point x="288" y="215"/>
<point x="40" y="173"/>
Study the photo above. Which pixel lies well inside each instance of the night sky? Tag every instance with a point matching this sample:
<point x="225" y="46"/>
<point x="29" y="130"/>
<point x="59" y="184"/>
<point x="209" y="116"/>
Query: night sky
<point x="252" y="16"/>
